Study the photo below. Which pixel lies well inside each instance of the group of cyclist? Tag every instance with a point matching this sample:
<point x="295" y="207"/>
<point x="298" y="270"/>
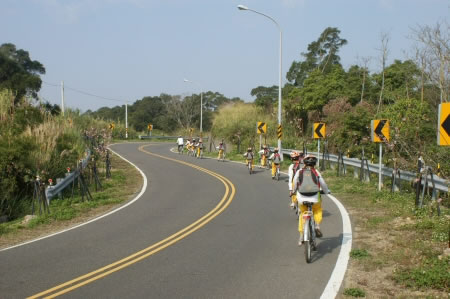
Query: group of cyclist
<point x="305" y="183"/>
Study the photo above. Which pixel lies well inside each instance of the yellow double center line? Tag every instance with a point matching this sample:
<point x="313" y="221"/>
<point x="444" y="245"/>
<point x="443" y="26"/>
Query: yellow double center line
<point x="140" y="255"/>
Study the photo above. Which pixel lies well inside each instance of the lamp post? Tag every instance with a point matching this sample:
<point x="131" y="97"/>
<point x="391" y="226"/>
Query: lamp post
<point x="201" y="103"/>
<point x="242" y="7"/>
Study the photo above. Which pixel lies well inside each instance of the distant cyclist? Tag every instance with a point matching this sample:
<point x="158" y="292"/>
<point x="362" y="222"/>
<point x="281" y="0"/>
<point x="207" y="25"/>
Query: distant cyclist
<point x="293" y="168"/>
<point x="221" y="149"/>
<point x="249" y="157"/>
<point x="180" y="143"/>
<point x="264" y="155"/>
<point x="308" y="182"/>
<point x="276" y="160"/>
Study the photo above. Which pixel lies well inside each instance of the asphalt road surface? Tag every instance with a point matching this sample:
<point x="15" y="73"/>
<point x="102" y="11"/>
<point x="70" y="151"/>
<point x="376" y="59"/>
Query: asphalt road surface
<point x="201" y="229"/>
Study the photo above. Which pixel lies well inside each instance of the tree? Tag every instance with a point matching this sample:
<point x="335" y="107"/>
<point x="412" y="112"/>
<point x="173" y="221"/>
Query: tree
<point x="18" y="72"/>
<point x="436" y="43"/>
<point x="384" y="54"/>
<point x="322" y="55"/>
<point x="320" y="88"/>
<point x="265" y="97"/>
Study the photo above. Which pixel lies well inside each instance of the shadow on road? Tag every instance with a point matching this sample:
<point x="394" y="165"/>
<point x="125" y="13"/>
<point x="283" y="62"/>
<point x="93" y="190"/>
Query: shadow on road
<point x="326" y="246"/>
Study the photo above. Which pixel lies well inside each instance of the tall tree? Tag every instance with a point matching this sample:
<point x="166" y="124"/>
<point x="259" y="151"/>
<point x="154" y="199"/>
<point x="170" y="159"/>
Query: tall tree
<point x="18" y="72"/>
<point x="322" y="55"/>
<point x="265" y="97"/>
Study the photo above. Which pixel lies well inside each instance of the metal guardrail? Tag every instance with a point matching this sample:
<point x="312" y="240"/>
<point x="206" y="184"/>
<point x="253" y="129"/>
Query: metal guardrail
<point x="167" y="137"/>
<point x="52" y="191"/>
<point x="440" y="183"/>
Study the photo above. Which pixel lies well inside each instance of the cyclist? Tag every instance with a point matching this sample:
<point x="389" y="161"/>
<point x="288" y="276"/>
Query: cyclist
<point x="200" y="149"/>
<point x="188" y="145"/>
<point x="295" y="157"/>
<point x="194" y="146"/>
<point x="307" y="183"/>
<point x="221" y="149"/>
<point x="264" y="155"/>
<point x="276" y="158"/>
<point x="180" y="143"/>
<point x="249" y="156"/>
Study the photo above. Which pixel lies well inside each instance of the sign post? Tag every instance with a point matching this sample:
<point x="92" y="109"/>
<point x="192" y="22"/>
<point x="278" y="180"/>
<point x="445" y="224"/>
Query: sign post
<point x="319" y="132"/>
<point x="380" y="133"/>
<point x="150" y="129"/>
<point x="261" y="128"/>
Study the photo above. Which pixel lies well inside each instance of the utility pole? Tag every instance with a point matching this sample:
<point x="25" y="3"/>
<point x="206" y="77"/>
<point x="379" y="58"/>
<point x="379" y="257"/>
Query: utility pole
<point x="62" y="98"/>
<point x="126" y="120"/>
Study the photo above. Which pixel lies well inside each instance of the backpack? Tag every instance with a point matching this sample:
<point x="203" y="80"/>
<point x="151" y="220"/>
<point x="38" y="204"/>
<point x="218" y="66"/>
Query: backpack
<point x="308" y="181"/>
<point x="277" y="159"/>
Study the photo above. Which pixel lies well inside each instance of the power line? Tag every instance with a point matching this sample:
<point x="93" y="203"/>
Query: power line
<point x="85" y="93"/>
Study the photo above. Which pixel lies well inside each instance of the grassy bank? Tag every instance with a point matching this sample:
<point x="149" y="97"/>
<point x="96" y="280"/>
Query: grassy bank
<point x="123" y="184"/>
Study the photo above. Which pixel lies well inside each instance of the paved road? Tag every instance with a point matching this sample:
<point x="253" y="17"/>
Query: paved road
<point x="245" y="248"/>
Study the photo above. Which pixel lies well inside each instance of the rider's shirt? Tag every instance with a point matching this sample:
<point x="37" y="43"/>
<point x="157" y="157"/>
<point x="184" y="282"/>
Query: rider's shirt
<point x="291" y="175"/>
<point x="249" y="155"/>
<point x="180" y="141"/>
<point x="313" y="198"/>
<point x="272" y="157"/>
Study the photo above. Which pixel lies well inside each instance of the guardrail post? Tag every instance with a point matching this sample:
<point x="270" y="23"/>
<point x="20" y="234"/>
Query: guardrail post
<point x="394" y="181"/>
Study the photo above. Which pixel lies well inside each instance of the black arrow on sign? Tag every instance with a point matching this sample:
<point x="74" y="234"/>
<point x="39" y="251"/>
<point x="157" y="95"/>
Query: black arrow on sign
<point x="260" y="128"/>
<point x="380" y="127"/>
<point x="319" y="126"/>
<point x="446" y="125"/>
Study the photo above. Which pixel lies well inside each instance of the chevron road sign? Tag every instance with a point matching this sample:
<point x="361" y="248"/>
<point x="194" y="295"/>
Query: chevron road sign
<point x="261" y="127"/>
<point x="150" y="127"/>
<point x="280" y="132"/>
<point x="319" y="130"/>
<point x="380" y="130"/>
<point x="443" y="135"/>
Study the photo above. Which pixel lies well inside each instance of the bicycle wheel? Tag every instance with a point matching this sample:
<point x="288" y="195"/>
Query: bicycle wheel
<point x="278" y="174"/>
<point x="308" y="246"/>
<point x="250" y="168"/>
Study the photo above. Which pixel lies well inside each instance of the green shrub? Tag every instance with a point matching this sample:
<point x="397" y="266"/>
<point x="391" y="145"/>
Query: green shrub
<point x="354" y="292"/>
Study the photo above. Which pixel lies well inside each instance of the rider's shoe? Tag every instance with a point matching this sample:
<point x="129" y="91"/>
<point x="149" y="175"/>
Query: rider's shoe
<point x="300" y="240"/>
<point x="292" y="205"/>
<point x="318" y="232"/>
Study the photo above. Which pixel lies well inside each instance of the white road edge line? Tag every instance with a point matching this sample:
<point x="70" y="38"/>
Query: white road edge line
<point x="337" y="276"/>
<point x="144" y="188"/>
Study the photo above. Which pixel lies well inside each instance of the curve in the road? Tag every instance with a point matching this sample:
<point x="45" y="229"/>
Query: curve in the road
<point x="140" y="255"/>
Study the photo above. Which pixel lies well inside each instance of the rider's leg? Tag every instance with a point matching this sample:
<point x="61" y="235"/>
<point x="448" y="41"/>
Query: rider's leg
<point x="303" y="208"/>
<point x="274" y="169"/>
<point x="263" y="160"/>
<point x="317" y="210"/>
<point x="293" y="201"/>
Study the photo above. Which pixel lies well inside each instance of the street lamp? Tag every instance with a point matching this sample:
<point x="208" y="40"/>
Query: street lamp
<point x="201" y="103"/>
<point x="242" y="7"/>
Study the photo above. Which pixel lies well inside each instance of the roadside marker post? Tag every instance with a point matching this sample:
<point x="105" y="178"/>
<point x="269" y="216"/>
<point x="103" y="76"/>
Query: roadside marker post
<point x="380" y="133"/>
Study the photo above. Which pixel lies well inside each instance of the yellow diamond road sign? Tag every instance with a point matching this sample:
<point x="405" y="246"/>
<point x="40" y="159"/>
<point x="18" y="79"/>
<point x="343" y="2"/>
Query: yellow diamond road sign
<point x="443" y="137"/>
<point x="319" y="130"/>
<point x="150" y="127"/>
<point x="112" y="126"/>
<point x="280" y="131"/>
<point x="261" y="128"/>
<point x="380" y="130"/>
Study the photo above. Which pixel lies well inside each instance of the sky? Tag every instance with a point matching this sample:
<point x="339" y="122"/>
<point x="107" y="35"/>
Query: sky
<point x="124" y="50"/>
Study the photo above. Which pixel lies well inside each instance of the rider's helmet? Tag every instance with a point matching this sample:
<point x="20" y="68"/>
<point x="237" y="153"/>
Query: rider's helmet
<point x="249" y="149"/>
<point x="310" y="160"/>
<point x="295" y="155"/>
<point x="265" y="146"/>
<point x="276" y="150"/>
